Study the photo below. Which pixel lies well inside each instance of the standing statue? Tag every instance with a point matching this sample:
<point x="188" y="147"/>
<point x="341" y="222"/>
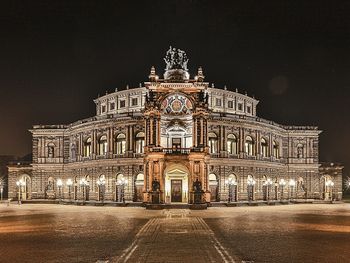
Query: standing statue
<point x="155" y="185"/>
<point x="197" y="186"/>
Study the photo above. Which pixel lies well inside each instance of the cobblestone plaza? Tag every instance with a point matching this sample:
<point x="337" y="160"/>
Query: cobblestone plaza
<point x="285" y="233"/>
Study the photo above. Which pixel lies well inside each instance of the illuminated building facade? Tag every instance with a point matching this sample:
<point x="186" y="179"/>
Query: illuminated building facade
<point x="175" y="130"/>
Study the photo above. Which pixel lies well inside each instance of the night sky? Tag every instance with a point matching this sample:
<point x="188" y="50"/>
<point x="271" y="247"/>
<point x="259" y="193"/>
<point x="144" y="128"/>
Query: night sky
<point x="57" y="56"/>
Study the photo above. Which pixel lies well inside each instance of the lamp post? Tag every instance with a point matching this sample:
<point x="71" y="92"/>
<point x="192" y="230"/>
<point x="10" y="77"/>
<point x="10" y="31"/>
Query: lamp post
<point x="282" y="184"/>
<point x="291" y="184"/>
<point x="231" y="182"/>
<point x="330" y="184"/>
<point x="1" y="189"/>
<point x="59" y="184"/>
<point x="19" y="184"/>
<point x="83" y="183"/>
<point x="101" y="183"/>
<point x="251" y="182"/>
<point x="69" y="183"/>
<point x="268" y="184"/>
<point x="122" y="182"/>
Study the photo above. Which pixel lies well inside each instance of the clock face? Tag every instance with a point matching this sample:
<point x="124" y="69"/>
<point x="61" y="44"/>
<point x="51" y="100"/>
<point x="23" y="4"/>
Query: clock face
<point x="177" y="104"/>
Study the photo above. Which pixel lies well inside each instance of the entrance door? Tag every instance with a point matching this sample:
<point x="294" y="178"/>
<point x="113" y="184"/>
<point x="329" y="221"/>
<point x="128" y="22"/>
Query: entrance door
<point x="176" y="190"/>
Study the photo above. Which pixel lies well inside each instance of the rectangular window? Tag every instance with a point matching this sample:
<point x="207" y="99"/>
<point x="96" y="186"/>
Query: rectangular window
<point x="112" y="106"/>
<point x="218" y="102"/>
<point x="134" y="101"/>
<point x="240" y="106"/>
<point x="230" y="104"/>
<point x="248" y="109"/>
<point x="122" y="104"/>
<point x="103" y="108"/>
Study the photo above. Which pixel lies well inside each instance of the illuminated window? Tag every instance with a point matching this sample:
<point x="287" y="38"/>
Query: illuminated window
<point x="232" y="144"/>
<point x="140" y="142"/>
<point x="264" y="147"/>
<point x="213" y="142"/>
<point x="276" y="151"/>
<point x="248" y="145"/>
<point x="87" y="147"/>
<point x="102" y="145"/>
<point x="120" y="143"/>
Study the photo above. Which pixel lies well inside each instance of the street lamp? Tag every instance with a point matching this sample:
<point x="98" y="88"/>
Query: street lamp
<point x="101" y="183"/>
<point x="291" y="184"/>
<point x="59" y="184"/>
<point x="1" y="189"/>
<point x="251" y="182"/>
<point x="69" y="183"/>
<point x="122" y="182"/>
<point x="231" y="182"/>
<point x="83" y="183"/>
<point x="268" y="184"/>
<point x="282" y="184"/>
<point x="19" y="184"/>
<point x="330" y="184"/>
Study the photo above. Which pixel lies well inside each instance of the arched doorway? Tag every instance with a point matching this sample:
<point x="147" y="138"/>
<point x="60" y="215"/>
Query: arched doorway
<point x="26" y="188"/>
<point x="176" y="184"/>
<point x="139" y="182"/>
<point x="213" y="187"/>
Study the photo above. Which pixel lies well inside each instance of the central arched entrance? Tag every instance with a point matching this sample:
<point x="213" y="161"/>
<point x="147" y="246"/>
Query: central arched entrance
<point x="176" y="184"/>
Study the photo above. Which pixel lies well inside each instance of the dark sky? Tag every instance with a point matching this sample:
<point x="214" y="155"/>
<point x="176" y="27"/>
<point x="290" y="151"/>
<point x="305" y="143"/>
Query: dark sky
<point x="57" y="56"/>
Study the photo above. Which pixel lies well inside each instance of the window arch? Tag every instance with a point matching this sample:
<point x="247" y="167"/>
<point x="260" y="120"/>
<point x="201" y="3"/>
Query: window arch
<point x="87" y="147"/>
<point x="213" y="142"/>
<point x="232" y="144"/>
<point x="102" y="145"/>
<point x="276" y="149"/>
<point x="264" y="147"/>
<point x="140" y="142"/>
<point x="249" y="143"/>
<point x="120" y="143"/>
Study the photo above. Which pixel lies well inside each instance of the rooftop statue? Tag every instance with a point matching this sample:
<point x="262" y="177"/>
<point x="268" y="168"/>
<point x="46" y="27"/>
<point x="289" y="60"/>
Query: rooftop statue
<point x="176" y="65"/>
<point x="176" y="59"/>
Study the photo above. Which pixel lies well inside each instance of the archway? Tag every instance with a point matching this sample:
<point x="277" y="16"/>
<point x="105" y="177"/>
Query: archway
<point x="26" y="189"/>
<point x="176" y="183"/>
<point x="139" y="182"/>
<point x="213" y="187"/>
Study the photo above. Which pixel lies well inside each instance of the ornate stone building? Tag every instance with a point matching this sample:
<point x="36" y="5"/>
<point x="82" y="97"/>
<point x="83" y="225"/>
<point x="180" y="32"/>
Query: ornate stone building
<point x="175" y="131"/>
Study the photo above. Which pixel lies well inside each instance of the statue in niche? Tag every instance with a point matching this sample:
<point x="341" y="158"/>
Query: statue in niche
<point x="73" y="151"/>
<point x="300" y="151"/>
<point x="50" y="151"/>
<point x="197" y="186"/>
<point x="155" y="185"/>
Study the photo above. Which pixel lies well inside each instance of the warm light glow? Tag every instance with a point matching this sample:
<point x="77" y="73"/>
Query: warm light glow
<point x="291" y="182"/>
<point x="122" y="181"/>
<point x="83" y="182"/>
<point x="59" y="183"/>
<point x="230" y="181"/>
<point x="268" y="182"/>
<point x="69" y="182"/>
<point x="283" y="182"/>
<point x="329" y="183"/>
<point x="251" y="181"/>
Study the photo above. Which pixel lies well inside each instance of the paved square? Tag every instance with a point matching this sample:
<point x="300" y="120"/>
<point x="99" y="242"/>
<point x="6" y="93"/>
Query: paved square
<point x="290" y="233"/>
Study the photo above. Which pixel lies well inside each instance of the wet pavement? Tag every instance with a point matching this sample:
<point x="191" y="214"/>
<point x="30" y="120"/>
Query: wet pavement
<point x="286" y="233"/>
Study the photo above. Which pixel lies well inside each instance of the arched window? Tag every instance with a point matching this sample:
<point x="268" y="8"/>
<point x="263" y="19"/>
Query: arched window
<point x="264" y="147"/>
<point x="87" y="147"/>
<point x="140" y="142"/>
<point x="102" y="145"/>
<point x="276" y="150"/>
<point x="213" y="187"/>
<point x="300" y="151"/>
<point x="51" y="150"/>
<point x="120" y="143"/>
<point x="248" y="145"/>
<point x="213" y="142"/>
<point x="232" y="144"/>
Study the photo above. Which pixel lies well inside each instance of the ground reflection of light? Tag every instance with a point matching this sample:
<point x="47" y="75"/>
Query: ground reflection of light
<point x="322" y="227"/>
